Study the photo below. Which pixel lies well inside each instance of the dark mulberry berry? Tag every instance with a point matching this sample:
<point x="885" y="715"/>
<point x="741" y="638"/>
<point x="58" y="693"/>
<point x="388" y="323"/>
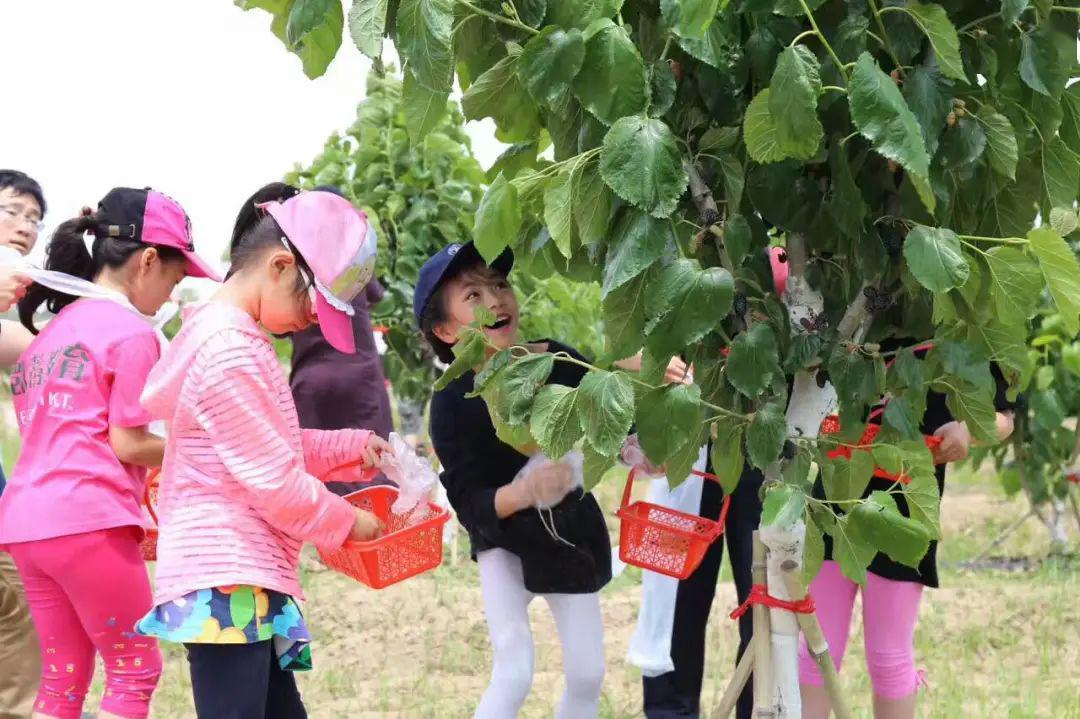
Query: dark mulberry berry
<point x="740" y="304"/>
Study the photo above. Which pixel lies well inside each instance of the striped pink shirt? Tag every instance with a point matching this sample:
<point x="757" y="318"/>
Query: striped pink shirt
<point x="239" y="493"/>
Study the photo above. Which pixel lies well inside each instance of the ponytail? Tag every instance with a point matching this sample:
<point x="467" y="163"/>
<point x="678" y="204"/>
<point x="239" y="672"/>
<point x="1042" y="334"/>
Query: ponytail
<point x="67" y="252"/>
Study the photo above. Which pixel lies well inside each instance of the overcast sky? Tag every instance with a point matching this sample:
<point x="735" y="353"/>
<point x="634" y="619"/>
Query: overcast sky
<point x="195" y="98"/>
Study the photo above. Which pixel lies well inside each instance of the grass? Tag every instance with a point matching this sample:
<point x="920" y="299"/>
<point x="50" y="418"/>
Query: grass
<point x="994" y="643"/>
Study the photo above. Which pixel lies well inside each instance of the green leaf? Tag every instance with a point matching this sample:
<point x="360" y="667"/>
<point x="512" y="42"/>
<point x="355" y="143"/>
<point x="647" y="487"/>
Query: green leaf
<point x="975" y="407"/>
<point x="499" y="94"/>
<point x="367" y="25"/>
<point x="882" y="116"/>
<point x="498" y="219"/>
<point x="1063" y="220"/>
<point x="1005" y="345"/>
<point x="559" y="209"/>
<point x="737" y="238"/>
<point x="719" y="138"/>
<point x="935" y="259"/>
<point x="638" y="241"/>
<point x="1062" y="272"/>
<point x="1001" y="141"/>
<point x="759" y="131"/>
<point x="901" y="539"/>
<point x="754" y="360"/>
<point x="661" y="88"/>
<point x="853" y="375"/>
<point x="519" y="384"/>
<point x="514" y="160"/>
<point x="667" y="418"/>
<point x="766" y="435"/>
<point x="929" y="94"/>
<point x="550" y="62"/>
<point x="580" y="13"/>
<point x="845" y="479"/>
<point x="921" y="492"/>
<point x="734" y="181"/>
<point x="313" y="32"/>
<point x="689" y="18"/>
<point x="851" y="550"/>
<point x="686" y="303"/>
<point x="640" y="160"/>
<point x="624" y="319"/>
<point x="718" y="48"/>
<point x="961" y="145"/>
<point x="1041" y="68"/>
<point x="1061" y="173"/>
<point x="784" y="505"/>
<point x="813" y="553"/>
<point x="606" y="408"/>
<point x="934" y="21"/>
<point x="424" y="29"/>
<point x="1011" y="10"/>
<point x="490" y="371"/>
<point x="468" y="353"/>
<point x="555" y="423"/>
<point x="596" y="465"/>
<point x="846" y="205"/>
<point x="793" y="99"/>
<point x="727" y="455"/>
<point x="1016" y="284"/>
<point x="592" y="211"/>
<point x="900" y="416"/>
<point x="679" y="466"/>
<point x="1070" y="126"/>
<point x="616" y="83"/>
<point x="423" y="108"/>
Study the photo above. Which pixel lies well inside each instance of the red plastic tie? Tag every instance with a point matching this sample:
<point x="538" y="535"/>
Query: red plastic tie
<point x="760" y="595"/>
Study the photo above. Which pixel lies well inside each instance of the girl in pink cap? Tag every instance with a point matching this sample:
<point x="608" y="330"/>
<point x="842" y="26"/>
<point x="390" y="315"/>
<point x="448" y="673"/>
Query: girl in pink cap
<point x="71" y="514"/>
<point x="242" y="485"/>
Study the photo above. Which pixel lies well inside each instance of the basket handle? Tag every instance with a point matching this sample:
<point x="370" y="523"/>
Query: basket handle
<point x="151" y="480"/>
<point x="704" y="475"/>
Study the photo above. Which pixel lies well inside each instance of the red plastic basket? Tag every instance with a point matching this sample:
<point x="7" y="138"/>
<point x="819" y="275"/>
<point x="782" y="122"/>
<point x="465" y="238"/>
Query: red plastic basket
<point x="665" y="540"/>
<point x="403" y="551"/>
<point x="831" y="425"/>
<point x="148" y="546"/>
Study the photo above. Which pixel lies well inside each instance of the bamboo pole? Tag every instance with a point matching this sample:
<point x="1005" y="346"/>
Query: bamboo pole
<point x="815" y="642"/>
<point x="736" y="685"/>
<point x="764" y="692"/>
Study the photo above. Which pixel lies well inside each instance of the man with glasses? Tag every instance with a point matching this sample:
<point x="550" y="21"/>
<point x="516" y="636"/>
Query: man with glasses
<point x="22" y="206"/>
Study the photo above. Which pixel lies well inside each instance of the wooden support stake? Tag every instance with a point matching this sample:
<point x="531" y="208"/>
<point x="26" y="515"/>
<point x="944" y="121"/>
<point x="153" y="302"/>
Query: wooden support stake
<point x="736" y="685"/>
<point x="764" y="691"/>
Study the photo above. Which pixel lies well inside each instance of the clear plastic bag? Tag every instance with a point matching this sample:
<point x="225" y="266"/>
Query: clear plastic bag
<point x="412" y="474"/>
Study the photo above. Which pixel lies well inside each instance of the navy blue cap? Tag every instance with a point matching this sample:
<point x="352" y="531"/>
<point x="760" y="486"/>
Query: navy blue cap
<point x="443" y="263"/>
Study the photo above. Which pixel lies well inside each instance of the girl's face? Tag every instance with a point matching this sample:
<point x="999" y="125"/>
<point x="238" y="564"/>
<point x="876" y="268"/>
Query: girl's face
<point x="286" y="294"/>
<point x="153" y="280"/>
<point x="480" y="287"/>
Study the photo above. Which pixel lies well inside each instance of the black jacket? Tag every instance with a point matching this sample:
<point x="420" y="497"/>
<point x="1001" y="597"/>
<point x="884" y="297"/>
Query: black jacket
<point x="476" y="464"/>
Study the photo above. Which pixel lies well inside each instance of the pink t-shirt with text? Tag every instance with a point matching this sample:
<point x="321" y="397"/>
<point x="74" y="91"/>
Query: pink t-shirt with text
<point x="81" y="375"/>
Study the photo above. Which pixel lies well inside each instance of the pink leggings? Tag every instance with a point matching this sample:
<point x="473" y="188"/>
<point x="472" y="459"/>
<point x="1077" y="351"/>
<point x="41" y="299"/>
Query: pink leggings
<point x="890" y="609"/>
<point x="85" y="592"/>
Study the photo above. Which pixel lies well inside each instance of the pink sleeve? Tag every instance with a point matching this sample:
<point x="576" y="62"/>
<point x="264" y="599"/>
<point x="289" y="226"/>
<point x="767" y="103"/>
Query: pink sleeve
<point x="326" y="450"/>
<point x="239" y="411"/>
<point x="130" y="362"/>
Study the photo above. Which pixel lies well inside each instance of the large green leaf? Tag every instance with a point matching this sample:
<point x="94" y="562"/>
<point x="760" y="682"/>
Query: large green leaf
<point x="424" y="29"/>
<point x="719" y="47"/>
<point x="784" y="505"/>
<point x="766" y="435"/>
<point x="499" y="94"/>
<point x="902" y="539"/>
<point x="846" y="479"/>
<point x="759" y="130"/>
<point x="882" y="116"/>
<point x="921" y="492"/>
<point x="519" y="384"/>
<point x="638" y="242"/>
<point x="974" y="406"/>
<point x="580" y="13"/>
<point x="935" y="259"/>
<point x="1041" y="67"/>
<point x="846" y="205"/>
<point x="684" y="304"/>
<point x="1001" y="141"/>
<point x="555" y="423"/>
<point x="498" y="218"/>
<point x="853" y="375"/>
<point x="624" y="319"/>
<point x="313" y="32"/>
<point x="606" y="408"/>
<point x="1070" y="126"/>
<point x="1016" y="284"/>
<point x="640" y="160"/>
<point x="793" y="99"/>
<point x="754" y="360"/>
<point x="1062" y="272"/>
<point x="596" y="465"/>
<point x="667" y="418"/>
<point x="1061" y="173"/>
<point x="559" y="209"/>
<point x="934" y="21"/>
<point x="367" y="25"/>
<point x="423" y="108"/>
<point x="550" y="62"/>
<point x="929" y="94"/>
<point x="813" y="553"/>
<point x="468" y="354"/>
<point x="851" y="550"/>
<point x="728" y="456"/>
<point x="592" y="211"/>
<point x="616" y="83"/>
<point x="689" y="18"/>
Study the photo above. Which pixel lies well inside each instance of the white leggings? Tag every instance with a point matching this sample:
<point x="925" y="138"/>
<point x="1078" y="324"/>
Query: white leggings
<point x="581" y="633"/>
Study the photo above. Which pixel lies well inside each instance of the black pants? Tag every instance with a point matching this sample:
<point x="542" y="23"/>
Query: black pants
<point x="677" y="694"/>
<point x="242" y="681"/>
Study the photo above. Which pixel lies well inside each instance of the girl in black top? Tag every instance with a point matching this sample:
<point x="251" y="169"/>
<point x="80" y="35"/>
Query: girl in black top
<point x="518" y="557"/>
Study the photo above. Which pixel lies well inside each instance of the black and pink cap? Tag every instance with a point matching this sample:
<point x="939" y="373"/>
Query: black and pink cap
<point x="152" y="218"/>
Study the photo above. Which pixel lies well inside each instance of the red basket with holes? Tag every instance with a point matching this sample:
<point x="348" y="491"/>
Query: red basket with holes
<point x="148" y="546"/>
<point x="665" y="540"/>
<point x="831" y="425"/>
<point x="406" y="548"/>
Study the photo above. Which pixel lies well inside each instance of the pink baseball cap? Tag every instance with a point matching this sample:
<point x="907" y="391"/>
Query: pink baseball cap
<point x="778" y="262"/>
<point x="152" y="218"/>
<point x="339" y="245"/>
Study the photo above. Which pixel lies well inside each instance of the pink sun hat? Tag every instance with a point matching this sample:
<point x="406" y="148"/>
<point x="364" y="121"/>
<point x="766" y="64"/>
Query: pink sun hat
<point x="339" y="244"/>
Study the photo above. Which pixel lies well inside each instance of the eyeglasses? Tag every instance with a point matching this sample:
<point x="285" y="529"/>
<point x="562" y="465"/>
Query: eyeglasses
<point x="15" y="213"/>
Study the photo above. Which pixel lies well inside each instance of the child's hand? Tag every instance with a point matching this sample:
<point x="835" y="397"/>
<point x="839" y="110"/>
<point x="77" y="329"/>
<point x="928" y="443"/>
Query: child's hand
<point x="366" y="526"/>
<point x="376" y="447"/>
<point x="955" y="443"/>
